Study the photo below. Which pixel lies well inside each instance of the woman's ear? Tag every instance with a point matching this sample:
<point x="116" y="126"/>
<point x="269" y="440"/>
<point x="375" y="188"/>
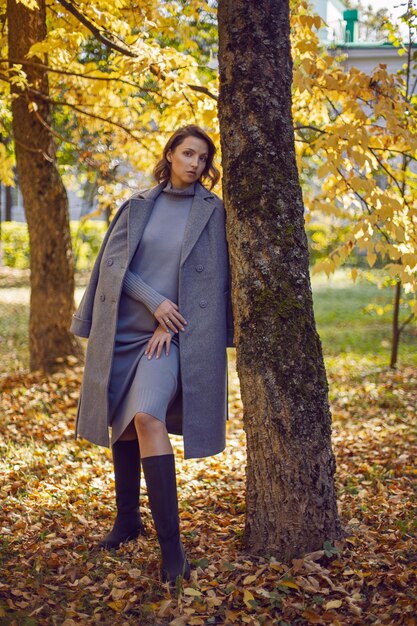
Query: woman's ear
<point x="168" y="156"/>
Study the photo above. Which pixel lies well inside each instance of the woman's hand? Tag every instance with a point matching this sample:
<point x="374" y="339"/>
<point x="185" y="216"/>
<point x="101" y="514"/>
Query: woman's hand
<point x="169" y="317"/>
<point x="157" y="341"/>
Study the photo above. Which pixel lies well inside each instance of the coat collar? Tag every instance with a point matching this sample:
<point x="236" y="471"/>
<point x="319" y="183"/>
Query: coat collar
<point x="153" y="192"/>
<point x="140" y="208"/>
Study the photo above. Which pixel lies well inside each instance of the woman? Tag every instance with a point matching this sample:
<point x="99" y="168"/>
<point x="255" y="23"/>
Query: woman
<point x="157" y="312"/>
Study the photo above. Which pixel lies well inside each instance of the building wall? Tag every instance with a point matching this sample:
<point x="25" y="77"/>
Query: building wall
<point x="367" y="56"/>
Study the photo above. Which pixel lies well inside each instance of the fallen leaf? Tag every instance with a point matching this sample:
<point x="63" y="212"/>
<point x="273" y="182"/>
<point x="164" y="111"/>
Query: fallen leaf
<point x="333" y="604"/>
<point x="190" y="591"/>
<point x="248" y="598"/>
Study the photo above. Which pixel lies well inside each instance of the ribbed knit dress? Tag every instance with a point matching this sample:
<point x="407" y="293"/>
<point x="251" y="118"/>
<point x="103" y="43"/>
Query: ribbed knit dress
<point x="139" y="384"/>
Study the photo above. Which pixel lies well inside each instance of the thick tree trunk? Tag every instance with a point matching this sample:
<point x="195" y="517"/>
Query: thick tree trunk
<point x="291" y="502"/>
<point x="45" y="201"/>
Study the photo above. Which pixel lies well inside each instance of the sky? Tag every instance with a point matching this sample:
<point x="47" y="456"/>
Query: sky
<point x="395" y="7"/>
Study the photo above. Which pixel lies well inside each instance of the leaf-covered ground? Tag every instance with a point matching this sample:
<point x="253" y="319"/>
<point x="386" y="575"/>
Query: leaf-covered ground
<point x="57" y="500"/>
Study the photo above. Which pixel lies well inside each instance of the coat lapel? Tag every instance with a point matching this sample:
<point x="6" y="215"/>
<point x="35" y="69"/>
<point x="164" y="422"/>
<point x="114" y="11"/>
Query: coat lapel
<point x="200" y="213"/>
<point x="140" y="208"/>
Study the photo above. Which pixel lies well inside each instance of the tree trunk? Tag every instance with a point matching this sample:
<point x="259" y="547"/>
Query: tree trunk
<point x="1" y="226"/>
<point x="291" y="504"/>
<point x="45" y="200"/>
<point x="8" y="204"/>
<point x="395" y="325"/>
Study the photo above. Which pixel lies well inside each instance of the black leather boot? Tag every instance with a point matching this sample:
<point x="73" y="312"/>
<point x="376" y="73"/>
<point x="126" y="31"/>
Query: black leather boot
<point x="128" y="524"/>
<point x="161" y="483"/>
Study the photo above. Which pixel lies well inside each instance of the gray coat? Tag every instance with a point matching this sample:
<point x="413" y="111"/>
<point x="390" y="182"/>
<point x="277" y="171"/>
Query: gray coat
<point x="200" y="409"/>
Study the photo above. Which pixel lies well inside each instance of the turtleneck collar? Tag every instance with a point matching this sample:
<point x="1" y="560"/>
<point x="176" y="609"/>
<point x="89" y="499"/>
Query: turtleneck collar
<point x="187" y="191"/>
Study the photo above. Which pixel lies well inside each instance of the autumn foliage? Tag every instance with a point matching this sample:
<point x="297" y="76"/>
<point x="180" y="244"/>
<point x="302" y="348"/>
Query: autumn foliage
<point x="59" y="501"/>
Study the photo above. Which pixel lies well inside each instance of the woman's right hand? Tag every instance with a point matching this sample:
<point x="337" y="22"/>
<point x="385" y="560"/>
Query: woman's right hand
<point x="169" y="317"/>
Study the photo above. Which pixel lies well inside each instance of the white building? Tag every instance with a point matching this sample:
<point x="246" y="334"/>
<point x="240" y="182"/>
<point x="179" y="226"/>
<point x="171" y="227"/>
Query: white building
<point x="344" y="33"/>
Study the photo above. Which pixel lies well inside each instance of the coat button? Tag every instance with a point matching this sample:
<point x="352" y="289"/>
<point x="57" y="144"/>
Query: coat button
<point x="102" y="297"/>
<point x="203" y="303"/>
<point x="109" y="262"/>
<point x="199" y="268"/>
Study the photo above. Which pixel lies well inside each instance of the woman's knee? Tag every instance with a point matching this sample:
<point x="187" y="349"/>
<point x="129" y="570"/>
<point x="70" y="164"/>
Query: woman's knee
<point x="147" y="424"/>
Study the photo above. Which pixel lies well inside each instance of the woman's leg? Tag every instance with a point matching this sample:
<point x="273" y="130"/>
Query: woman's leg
<point x="129" y="433"/>
<point x="127" y="471"/>
<point x="152" y="434"/>
<point x="158" y="462"/>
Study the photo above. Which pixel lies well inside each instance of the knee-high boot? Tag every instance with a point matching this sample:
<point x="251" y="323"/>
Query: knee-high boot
<point x="161" y="483"/>
<point x="128" y="524"/>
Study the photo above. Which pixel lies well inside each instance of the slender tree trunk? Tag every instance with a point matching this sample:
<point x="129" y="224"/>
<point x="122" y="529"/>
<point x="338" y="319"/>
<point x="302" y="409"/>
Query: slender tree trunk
<point x="1" y="225"/>
<point x="8" y="200"/>
<point x="395" y="325"/>
<point x="44" y="198"/>
<point x="291" y="502"/>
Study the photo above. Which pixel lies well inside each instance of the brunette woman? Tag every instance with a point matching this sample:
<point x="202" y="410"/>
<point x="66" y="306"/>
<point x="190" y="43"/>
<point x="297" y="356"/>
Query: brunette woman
<point x="158" y="315"/>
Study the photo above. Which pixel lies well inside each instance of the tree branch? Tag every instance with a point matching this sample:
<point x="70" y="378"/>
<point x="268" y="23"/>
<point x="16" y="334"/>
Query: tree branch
<point x="309" y="127"/>
<point x="390" y="175"/>
<point x="94" y="116"/>
<point x="95" y="30"/>
<point x="77" y="74"/>
<point x="413" y="158"/>
<point x="404" y="324"/>
<point x="367" y="205"/>
<point x="204" y="90"/>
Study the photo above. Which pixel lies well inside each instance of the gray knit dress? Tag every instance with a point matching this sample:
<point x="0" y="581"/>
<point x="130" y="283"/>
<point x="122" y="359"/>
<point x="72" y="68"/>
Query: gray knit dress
<point x="139" y="384"/>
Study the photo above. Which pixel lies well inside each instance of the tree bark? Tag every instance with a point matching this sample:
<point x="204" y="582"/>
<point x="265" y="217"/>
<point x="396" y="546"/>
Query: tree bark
<point x="44" y="198"/>
<point x="395" y="325"/>
<point x="8" y="204"/>
<point x="291" y="504"/>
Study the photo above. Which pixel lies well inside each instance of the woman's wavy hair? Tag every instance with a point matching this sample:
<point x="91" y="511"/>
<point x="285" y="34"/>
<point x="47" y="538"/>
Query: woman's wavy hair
<point x="162" y="170"/>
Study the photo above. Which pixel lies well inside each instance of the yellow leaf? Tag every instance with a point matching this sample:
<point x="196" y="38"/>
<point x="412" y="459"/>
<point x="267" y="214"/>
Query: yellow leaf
<point x="306" y="20"/>
<point x="247" y="597"/>
<point x="333" y="604"/>
<point x="317" y="21"/>
<point x="30" y="4"/>
<point x="117" y="605"/>
<point x="163" y="609"/>
<point x="6" y="167"/>
<point x="288" y="583"/>
<point x="190" y="591"/>
<point x="249" y="579"/>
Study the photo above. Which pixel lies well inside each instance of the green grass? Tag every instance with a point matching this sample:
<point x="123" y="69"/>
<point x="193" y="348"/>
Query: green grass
<point x="14" y="319"/>
<point x="346" y="331"/>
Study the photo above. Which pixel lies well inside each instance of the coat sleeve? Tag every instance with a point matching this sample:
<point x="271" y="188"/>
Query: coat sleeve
<point x="135" y="287"/>
<point x="81" y="320"/>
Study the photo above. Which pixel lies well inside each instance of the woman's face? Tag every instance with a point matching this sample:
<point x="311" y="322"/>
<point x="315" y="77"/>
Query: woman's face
<point x="188" y="161"/>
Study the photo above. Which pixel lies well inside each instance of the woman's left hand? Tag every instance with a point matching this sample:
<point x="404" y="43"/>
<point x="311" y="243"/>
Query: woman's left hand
<point x="157" y="341"/>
